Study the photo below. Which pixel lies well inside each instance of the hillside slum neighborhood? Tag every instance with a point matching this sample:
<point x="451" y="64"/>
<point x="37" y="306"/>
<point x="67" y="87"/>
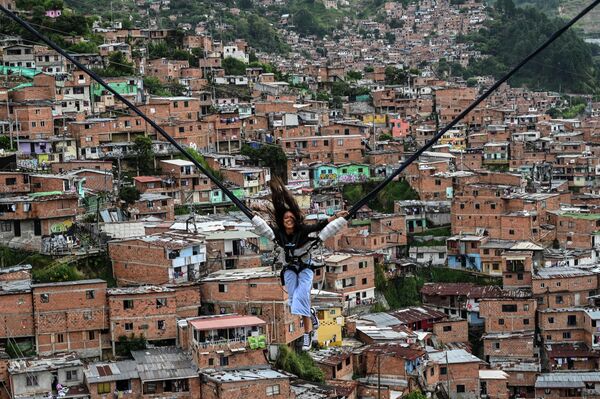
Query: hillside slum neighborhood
<point x="192" y="306"/>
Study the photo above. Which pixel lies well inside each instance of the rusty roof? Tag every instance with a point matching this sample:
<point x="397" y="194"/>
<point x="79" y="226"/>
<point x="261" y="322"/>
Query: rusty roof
<point x="397" y="350"/>
<point x="417" y="313"/>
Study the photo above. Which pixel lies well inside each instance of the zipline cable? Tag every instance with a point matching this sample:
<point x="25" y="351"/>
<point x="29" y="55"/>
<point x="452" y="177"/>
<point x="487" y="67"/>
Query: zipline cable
<point x="363" y="201"/>
<point x="131" y="106"/>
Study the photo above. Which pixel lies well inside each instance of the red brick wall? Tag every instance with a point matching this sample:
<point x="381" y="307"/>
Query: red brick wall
<point x="519" y="347"/>
<point x="144" y="315"/>
<point x="491" y="311"/>
<point x="16" y="315"/>
<point x="131" y="263"/>
<point x="70" y="313"/>
<point x="459" y="331"/>
<point x="245" y="389"/>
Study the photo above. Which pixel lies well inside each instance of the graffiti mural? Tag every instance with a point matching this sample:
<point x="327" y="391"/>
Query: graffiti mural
<point x="61" y="227"/>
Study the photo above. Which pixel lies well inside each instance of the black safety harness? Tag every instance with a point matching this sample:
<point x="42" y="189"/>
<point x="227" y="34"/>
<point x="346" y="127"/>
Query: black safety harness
<point x="295" y="262"/>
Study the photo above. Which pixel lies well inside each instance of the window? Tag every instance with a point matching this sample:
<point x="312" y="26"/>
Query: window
<point x="160" y="302"/>
<point x="551" y="320"/>
<point x="71" y="375"/>
<point x="128" y="326"/>
<point x="501" y="322"/>
<point x="60" y="338"/>
<point x="364" y="281"/>
<point x="443" y="370"/>
<point x="128" y="304"/>
<point x="91" y="335"/>
<point x="447" y="328"/>
<point x="547" y="391"/>
<point x="149" y="387"/>
<point x="90" y="294"/>
<point x="567" y="335"/>
<point x="256" y="311"/>
<point x="160" y="324"/>
<point x="496" y="345"/>
<point x="11" y="181"/>
<point x="559" y="299"/>
<point x="526" y="322"/>
<point x="222" y="287"/>
<point x="44" y="298"/>
<point x="123" y="385"/>
<point x="511" y="232"/>
<point x="224" y="361"/>
<point x="526" y="307"/>
<point x="432" y="372"/>
<point x="273" y="390"/>
<point x="211" y="362"/>
<point x="460" y="388"/>
<point x="509" y="308"/>
<point x="571" y="320"/>
<point x="5" y="226"/>
<point x="32" y="380"/>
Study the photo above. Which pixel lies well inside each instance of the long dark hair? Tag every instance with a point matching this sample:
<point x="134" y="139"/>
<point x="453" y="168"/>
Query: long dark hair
<point x="283" y="201"/>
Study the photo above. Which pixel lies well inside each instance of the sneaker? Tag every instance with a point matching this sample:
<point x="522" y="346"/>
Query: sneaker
<point x="306" y="342"/>
<point x="314" y="319"/>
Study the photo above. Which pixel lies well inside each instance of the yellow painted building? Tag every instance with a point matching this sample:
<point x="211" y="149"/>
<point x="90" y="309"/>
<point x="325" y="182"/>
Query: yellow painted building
<point x="378" y="119"/>
<point x="455" y="138"/>
<point x="331" y="322"/>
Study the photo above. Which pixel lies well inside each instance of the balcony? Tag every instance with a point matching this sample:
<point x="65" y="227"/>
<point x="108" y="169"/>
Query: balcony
<point x="188" y="260"/>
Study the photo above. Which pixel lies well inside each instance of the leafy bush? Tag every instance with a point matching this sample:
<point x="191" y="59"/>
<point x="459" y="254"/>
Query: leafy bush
<point x="126" y="344"/>
<point x="301" y="365"/>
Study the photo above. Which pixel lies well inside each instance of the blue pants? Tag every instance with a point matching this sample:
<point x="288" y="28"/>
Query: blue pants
<point x="298" y="288"/>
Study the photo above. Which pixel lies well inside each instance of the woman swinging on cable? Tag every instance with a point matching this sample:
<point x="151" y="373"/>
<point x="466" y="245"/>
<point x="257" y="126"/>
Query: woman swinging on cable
<point x="293" y="236"/>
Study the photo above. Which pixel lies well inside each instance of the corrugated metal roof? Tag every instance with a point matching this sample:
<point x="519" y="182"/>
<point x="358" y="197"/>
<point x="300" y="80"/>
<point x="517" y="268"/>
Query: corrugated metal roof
<point x="566" y="380"/>
<point x="163" y="364"/>
<point x="454" y="356"/>
<point x="492" y="375"/>
<point x="105" y="372"/>
<point x="250" y="374"/>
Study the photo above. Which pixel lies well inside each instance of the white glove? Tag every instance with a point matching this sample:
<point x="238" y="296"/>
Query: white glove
<point x="332" y="228"/>
<point x="262" y="228"/>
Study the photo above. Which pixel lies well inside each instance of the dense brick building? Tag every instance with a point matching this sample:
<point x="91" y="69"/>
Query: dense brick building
<point x="70" y="316"/>
<point x="175" y="258"/>
<point x="254" y="292"/>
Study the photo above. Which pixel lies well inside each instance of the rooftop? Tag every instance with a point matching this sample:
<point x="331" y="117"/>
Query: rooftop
<point x="560" y="272"/>
<point x="143" y="289"/>
<point x="105" y="372"/>
<point x="567" y="379"/>
<point x="241" y="274"/>
<point x="165" y="363"/>
<point x="44" y="364"/>
<point x="417" y="313"/>
<point x="453" y="357"/>
<point x="243" y="374"/>
<point x="224" y="321"/>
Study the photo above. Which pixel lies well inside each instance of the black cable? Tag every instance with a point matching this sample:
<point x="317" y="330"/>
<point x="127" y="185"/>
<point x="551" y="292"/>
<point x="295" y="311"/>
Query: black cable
<point x="131" y="106"/>
<point x="363" y="201"/>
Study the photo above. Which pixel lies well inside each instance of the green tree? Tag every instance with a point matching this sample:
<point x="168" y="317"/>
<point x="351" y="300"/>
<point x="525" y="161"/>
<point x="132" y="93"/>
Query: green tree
<point x="5" y="143"/>
<point x="233" y="66"/>
<point x="300" y="364"/>
<point x="395" y="76"/>
<point x="129" y="194"/>
<point x="417" y="394"/>
<point x="126" y="344"/>
<point x="202" y="161"/>
<point x="354" y="75"/>
<point x="144" y="155"/>
<point x="271" y="156"/>
<point x="154" y="86"/>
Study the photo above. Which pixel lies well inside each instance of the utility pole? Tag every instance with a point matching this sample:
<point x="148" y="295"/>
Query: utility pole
<point x="379" y="376"/>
